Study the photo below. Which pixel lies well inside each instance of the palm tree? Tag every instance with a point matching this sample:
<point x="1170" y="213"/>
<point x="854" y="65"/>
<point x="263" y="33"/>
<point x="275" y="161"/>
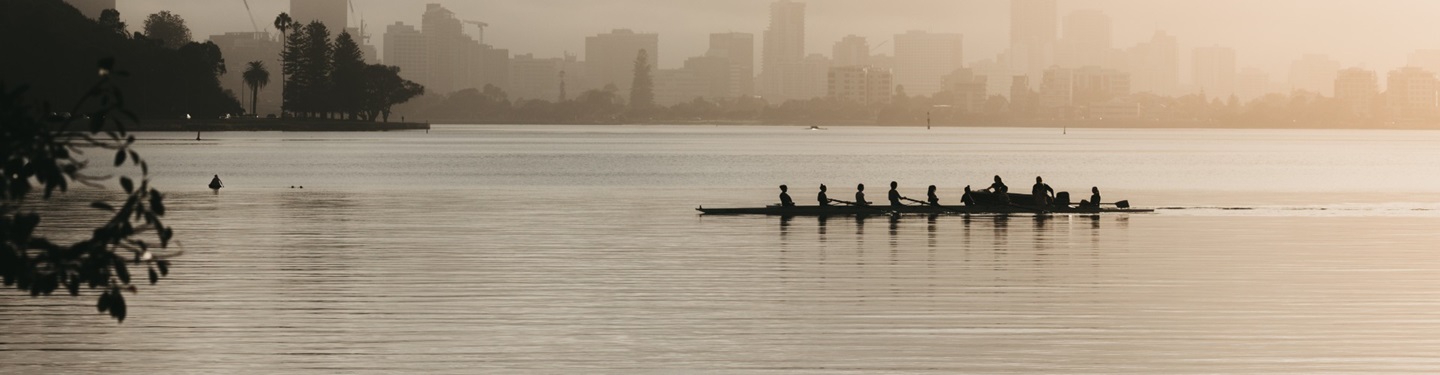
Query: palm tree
<point x="257" y="77"/>
<point x="283" y="23"/>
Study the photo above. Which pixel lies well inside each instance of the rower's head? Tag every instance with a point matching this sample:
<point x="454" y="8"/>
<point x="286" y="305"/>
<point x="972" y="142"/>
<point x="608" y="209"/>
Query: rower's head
<point x="894" y="184"/>
<point x="997" y="178"/>
<point x="1038" y="179"/>
<point x="932" y="188"/>
<point x="784" y="188"/>
<point x="1095" y="190"/>
<point x="860" y="187"/>
<point x="967" y="188"/>
<point x="822" y="187"/>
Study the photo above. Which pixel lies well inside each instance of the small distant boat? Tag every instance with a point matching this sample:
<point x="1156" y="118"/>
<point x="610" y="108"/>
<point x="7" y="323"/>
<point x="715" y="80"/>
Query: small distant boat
<point x="987" y="203"/>
<point x="215" y="183"/>
<point x="813" y="127"/>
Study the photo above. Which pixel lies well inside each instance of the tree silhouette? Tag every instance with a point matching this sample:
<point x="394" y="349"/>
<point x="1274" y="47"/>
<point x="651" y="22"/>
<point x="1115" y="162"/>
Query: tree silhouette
<point x="347" y="75"/>
<point x="284" y="24"/>
<point x="257" y="77"/>
<point x="168" y="28"/>
<point x="110" y="20"/>
<point x="642" y="89"/>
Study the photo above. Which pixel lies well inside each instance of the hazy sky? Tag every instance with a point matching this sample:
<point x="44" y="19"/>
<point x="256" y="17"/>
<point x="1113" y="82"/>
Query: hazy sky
<point x="1267" y="34"/>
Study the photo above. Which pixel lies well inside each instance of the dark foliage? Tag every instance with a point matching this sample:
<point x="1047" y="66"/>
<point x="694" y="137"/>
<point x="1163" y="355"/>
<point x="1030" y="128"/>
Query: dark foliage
<point x="327" y="79"/>
<point x="49" y="46"/>
<point x="41" y="150"/>
<point x="167" y="28"/>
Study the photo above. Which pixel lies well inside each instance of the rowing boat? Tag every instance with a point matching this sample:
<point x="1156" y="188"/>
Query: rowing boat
<point x="985" y="203"/>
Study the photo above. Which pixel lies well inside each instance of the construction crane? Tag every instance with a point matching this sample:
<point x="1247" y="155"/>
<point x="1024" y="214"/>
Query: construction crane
<point x="252" y="16"/>
<point x="481" y="26"/>
<point x="877" y="46"/>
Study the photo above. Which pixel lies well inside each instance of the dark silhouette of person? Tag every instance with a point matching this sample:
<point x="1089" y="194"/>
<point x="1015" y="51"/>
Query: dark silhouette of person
<point x="967" y="199"/>
<point x="932" y="198"/>
<point x="1000" y="190"/>
<point x="785" y="197"/>
<point x="1094" y="198"/>
<point x="860" y="196"/>
<point x="895" y="195"/>
<point x="215" y="183"/>
<point x="824" y="200"/>
<point x="1042" y="192"/>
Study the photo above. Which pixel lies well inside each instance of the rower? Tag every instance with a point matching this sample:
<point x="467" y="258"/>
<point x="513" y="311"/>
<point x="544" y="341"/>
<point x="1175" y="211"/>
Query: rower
<point x="824" y="200"/>
<point x="932" y="198"/>
<point x="967" y="199"/>
<point x="895" y="195"/>
<point x="1042" y="192"/>
<point x="215" y="183"/>
<point x="785" y="197"/>
<point x="860" y="195"/>
<point x="1094" y="198"/>
<point x="1000" y="190"/>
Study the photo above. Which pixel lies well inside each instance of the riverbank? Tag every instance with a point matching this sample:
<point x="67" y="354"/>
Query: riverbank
<point x="297" y="125"/>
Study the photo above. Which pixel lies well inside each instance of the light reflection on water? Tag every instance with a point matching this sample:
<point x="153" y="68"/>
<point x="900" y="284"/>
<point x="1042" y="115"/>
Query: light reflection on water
<point x="351" y="277"/>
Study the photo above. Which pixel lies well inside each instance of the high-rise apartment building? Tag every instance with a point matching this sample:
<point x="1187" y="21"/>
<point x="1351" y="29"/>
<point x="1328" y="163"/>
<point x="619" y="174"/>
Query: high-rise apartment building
<point x="1086" y="40"/>
<point x="92" y="8"/>
<point x="923" y="58"/>
<point x="1213" y="71"/>
<point x="860" y="84"/>
<point x="450" y="53"/>
<point x="851" y="51"/>
<point x="610" y="57"/>
<point x="1411" y="93"/>
<point x="1314" y="73"/>
<point x="784" y="46"/>
<point x="1154" y="66"/>
<point x="1032" y="37"/>
<point x="738" y="52"/>
<point x="1357" y="89"/>
<point x="333" y="13"/>
<point x="969" y="90"/>
<point x="407" y="48"/>
<point x="1250" y="83"/>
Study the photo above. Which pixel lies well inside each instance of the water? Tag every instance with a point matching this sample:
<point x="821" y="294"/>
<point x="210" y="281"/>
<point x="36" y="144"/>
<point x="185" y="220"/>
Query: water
<point x="577" y="250"/>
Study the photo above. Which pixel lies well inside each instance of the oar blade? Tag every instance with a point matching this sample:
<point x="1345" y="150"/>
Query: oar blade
<point x="1122" y="204"/>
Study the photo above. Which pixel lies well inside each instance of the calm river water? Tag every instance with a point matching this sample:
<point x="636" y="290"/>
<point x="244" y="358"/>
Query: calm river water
<point x="562" y="249"/>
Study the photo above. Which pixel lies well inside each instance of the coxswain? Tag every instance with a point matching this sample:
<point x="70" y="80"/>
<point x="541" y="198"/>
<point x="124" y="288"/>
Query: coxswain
<point x="785" y="197"/>
<point x="1042" y="192"/>
<point x="215" y="183"/>
<point x="1094" y="198"/>
<point x="895" y="195"/>
<point x="824" y="200"/>
<point x="860" y="196"/>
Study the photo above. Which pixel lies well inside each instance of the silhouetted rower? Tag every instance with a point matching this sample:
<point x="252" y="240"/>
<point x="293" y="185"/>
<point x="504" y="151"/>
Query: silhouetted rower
<point x="895" y="195"/>
<point x="785" y="197"/>
<point x="824" y="200"/>
<point x="968" y="199"/>
<point x="215" y="183"/>
<point x="931" y="197"/>
<point x="860" y="196"/>
<point x="1042" y="192"/>
<point x="1094" y="198"/>
<point x="1000" y="190"/>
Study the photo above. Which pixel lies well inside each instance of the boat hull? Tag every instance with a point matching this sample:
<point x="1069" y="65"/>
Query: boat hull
<point x="912" y="210"/>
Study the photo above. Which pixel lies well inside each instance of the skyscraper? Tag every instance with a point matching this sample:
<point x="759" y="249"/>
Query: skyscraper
<point x="333" y="13"/>
<point x="1087" y="40"/>
<point x="406" y="48"/>
<point x="1155" y="65"/>
<point x="1213" y="71"/>
<point x="1411" y="94"/>
<point x="1032" y="37"/>
<point x="923" y="58"/>
<point x="1356" y="89"/>
<point x="851" y="51"/>
<point x="784" y="44"/>
<point x="610" y="57"/>
<point x="449" y="52"/>
<point x="738" y="50"/>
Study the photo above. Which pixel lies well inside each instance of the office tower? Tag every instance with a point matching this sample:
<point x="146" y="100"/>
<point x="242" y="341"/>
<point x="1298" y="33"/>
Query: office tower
<point x="738" y="51"/>
<point x="450" y="52"/>
<point x="1065" y="87"/>
<point x="407" y="48"/>
<point x="333" y="13"/>
<point x="1032" y="37"/>
<point x="922" y="58"/>
<point x="969" y="90"/>
<point x="1087" y="40"/>
<point x="1213" y="71"/>
<point x="1357" y="89"/>
<point x="860" y="84"/>
<point x="1314" y="73"/>
<point x="1411" y="94"/>
<point x="851" y="51"/>
<point x="1155" y="65"/>
<point x="784" y="45"/>
<point x="610" y="57"/>
<point x="92" y="8"/>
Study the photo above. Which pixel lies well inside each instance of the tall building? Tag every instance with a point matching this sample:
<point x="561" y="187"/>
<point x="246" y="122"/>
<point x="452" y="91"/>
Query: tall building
<point x="1357" y="89"/>
<point x="800" y="80"/>
<point x="241" y="48"/>
<point x="969" y="89"/>
<point x="450" y="53"/>
<point x="1411" y="94"/>
<point x="540" y="78"/>
<point x="923" y="58"/>
<point x="1032" y="37"/>
<point x="407" y="48"/>
<point x="784" y="46"/>
<point x="333" y="13"/>
<point x="92" y="8"/>
<point x="610" y="57"/>
<point x="1250" y="83"/>
<point x="860" y="84"/>
<point x="1154" y="66"/>
<point x="1314" y="73"/>
<point x="1086" y="40"/>
<point x="851" y="51"/>
<point x="1213" y="71"/>
<point x="1067" y="87"/>
<point x="738" y="51"/>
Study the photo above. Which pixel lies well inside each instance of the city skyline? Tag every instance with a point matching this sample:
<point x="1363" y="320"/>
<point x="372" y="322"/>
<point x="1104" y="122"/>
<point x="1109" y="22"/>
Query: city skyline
<point x="1347" y="31"/>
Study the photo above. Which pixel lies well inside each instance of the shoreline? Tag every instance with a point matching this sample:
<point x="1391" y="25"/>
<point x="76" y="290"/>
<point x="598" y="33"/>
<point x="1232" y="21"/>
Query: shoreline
<point x="1028" y="124"/>
<point x="294" y="125"/>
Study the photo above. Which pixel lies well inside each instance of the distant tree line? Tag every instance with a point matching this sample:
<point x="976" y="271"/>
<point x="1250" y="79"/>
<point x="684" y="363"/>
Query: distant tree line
<point x="330" y="79"/>
<point x="51" y="47"/>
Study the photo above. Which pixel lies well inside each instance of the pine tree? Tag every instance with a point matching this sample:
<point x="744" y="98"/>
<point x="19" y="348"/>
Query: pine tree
<point x="642" y="90"/>
<point x="347" y="76"/>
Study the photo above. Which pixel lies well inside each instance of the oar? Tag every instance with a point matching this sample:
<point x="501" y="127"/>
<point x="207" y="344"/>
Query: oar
<point x="860" y="205"/>
<point x="947" y="209"/>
